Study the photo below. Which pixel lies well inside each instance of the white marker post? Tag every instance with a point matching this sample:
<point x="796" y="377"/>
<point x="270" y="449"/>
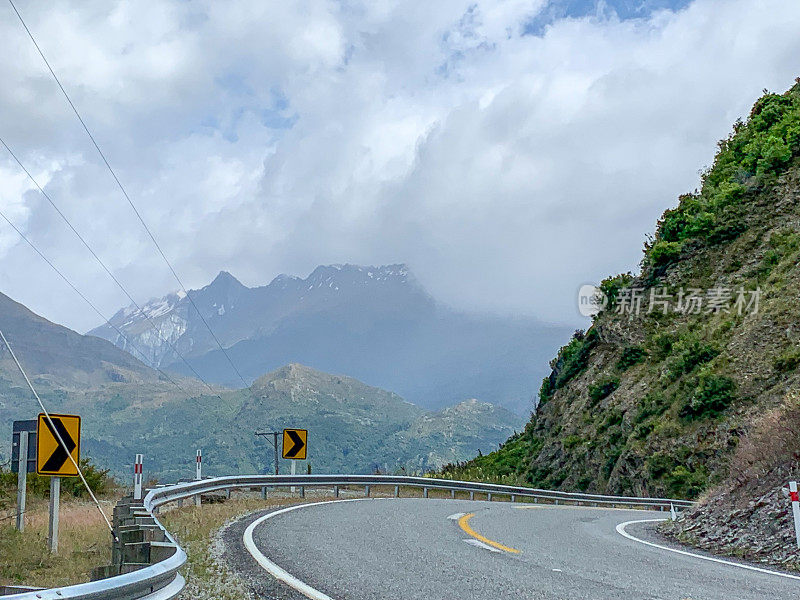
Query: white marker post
<point x="55" y="497"/>
<point x="137" y="478"/>
<point x="198" y="475"/>
<point x="22" y="479"/>
<point x="795" y="509"/>
<point x="294" y="470"/>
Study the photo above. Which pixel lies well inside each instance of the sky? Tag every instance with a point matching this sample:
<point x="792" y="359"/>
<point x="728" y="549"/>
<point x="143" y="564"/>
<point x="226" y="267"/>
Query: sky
<point x="507" y="151"/>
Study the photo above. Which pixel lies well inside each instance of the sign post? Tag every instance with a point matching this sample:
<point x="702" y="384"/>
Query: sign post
<point x="22" y="479"/>
<point x="58" y="453"/>
<point x="52" y="530"/>
<point x="795" y="509"/>
<point x="23" y="461"/>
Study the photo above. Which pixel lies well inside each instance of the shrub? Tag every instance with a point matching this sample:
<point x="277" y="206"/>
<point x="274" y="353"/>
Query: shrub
<point x="612" y="285"/>
<point x="602" y="388"/>
<point x="713" y="394"/>
<point x="571" y="441"/>
<point x="688" y="353"/>
<point x="663" y="252"/>
<point x="788" y="360"/>
<point x="631" y="355"/>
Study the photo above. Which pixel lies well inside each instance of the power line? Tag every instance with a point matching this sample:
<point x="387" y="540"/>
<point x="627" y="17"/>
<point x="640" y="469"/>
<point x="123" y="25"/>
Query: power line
<point x="58" y="436"/>
<point x="104" y="267"/>
<point x="85" y="299"/>
<point x="125" y="193"/>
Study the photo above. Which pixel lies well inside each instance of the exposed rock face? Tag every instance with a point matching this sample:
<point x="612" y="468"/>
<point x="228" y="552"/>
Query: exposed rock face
<point x="760" y="529"/>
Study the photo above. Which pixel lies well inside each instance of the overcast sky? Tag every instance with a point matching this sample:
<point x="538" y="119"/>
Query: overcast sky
<point x="508" y="151"/>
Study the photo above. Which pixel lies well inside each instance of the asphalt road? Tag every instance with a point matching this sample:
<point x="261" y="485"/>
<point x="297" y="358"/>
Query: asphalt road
<point x="409" y="549"/>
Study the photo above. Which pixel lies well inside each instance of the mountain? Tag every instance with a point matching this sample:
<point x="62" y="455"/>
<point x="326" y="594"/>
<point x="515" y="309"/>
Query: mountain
<point x="353" y="428"/>
<point x="128" y="408"/>
<point x="374" y="323"/>
<point x="58" y="356"/>
<point x="688" y="379"/>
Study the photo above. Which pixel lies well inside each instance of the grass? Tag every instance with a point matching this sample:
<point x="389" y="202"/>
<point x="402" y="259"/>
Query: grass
<point x="84" y="543"/>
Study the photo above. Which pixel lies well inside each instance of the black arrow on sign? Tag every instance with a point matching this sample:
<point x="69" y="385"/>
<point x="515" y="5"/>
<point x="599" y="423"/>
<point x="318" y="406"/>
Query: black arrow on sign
<point x="60" y="455"/>
<point x="298" y="444"/>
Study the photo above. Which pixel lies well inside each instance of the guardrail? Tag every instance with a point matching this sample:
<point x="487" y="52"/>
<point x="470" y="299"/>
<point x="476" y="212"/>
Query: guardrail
<point x="143" y="540"/>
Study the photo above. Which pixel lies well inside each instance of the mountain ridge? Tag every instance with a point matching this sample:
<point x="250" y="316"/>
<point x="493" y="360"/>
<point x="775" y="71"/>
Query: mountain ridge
<point x="377" y="324"/>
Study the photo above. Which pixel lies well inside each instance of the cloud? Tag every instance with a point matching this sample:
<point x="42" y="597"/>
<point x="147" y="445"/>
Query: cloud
<point x="507" y="163"/>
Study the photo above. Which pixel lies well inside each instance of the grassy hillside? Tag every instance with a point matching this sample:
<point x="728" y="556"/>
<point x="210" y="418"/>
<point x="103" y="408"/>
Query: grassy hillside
<point x="654" y="400"/>
<point x="352" y="427"/>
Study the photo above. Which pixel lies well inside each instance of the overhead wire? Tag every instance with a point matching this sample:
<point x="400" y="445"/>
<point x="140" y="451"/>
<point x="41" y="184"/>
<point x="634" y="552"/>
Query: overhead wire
<point x="84" y="298"/>
<point x="60" y="439"/>
<point x="125" y="194"/>
<point x="116" y="280"/>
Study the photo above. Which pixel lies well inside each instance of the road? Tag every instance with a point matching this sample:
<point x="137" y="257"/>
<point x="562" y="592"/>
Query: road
<point x="452" y="549"/>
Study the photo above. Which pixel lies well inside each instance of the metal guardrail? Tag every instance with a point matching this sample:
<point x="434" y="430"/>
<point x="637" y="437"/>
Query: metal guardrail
<point x="162" y="581"/>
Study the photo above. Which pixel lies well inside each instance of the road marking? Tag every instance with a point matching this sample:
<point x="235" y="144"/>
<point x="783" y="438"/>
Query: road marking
<point x="456" y="516"/>
<point x="557" y="571"/>
<point x="480" y="544"/>
<point x="621" y="530"/>
<point x="463" y="522"/>
<point x="273" y="569"/>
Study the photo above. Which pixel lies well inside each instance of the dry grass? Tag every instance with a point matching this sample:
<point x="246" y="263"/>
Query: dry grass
<point x="84" y="543"/>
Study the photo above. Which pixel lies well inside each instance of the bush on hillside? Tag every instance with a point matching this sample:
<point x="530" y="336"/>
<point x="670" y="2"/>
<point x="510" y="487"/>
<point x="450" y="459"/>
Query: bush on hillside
<point x="713" y="394"/>
<point x="603" y="388"/>
<point x="631" y="355"/>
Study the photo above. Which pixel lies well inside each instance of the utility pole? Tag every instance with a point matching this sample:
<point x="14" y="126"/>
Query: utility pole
<point x="274" y="435"/>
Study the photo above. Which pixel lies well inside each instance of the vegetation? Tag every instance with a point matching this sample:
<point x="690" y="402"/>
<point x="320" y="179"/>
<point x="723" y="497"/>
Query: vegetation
<point x="656" y="402"/>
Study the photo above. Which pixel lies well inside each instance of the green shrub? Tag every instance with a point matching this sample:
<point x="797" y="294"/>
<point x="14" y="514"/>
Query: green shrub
<point x="663" y="252"/>
<point x="611" y="287"/>
<point x="788" y="360"/>
<point x="713" y="394"/>
<point x="752" y="156"/>
<point x="631" y="355"/>
<point x="687" y="354"/>
<point x="651" y="405"/>
<point x="602" y="388"/>
<point x="571" y="441"/>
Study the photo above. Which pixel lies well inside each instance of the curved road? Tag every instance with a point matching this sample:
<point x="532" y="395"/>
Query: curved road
<point x="452" y="549"/>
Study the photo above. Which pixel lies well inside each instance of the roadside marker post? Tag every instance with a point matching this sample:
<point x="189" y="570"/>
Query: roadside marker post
<point x="795" y="509"/>
<point x="137" y="478"/>
<point x="198" y="475"/>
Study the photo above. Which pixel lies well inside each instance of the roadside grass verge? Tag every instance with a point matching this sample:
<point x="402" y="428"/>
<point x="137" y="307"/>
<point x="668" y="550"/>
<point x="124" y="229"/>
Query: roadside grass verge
<point x="84" y="542"/>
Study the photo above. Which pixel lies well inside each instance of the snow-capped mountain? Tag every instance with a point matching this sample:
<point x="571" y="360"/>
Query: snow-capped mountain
<point x="374" y="323"/>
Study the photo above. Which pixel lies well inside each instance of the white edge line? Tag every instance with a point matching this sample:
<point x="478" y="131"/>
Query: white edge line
<point x="621" y="530"/>
<point x="273" y="569"/>
<point x="480" y="544"/>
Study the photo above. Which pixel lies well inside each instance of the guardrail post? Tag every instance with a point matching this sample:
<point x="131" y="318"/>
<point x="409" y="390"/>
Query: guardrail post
<point x="366" y="490"/>
<point x="472" y="495"/>
<point x="535" y="500"/>
<point x="452" y="494"/>
<point x="556" y="501"/>
<point x="302" y="491"/>
<point x="397" y="491"/>
<point x="489" y="496"/>
<point x="263" y="492"/>
<point x="513" y="498"/>
<point x="336" y="491"/>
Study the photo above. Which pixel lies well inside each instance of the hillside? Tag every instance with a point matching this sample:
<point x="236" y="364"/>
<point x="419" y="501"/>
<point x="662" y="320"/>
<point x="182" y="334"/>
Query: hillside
<point x="377" y="324"/>
<point x="691" y="355"/>
<point x="353" y="427"/>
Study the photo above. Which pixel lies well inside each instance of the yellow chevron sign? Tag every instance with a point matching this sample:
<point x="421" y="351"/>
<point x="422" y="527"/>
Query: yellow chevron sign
<point x="52" y="458"/>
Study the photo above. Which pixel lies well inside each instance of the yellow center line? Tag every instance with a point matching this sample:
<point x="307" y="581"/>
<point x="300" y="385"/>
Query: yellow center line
<point x="463" y="522"/>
